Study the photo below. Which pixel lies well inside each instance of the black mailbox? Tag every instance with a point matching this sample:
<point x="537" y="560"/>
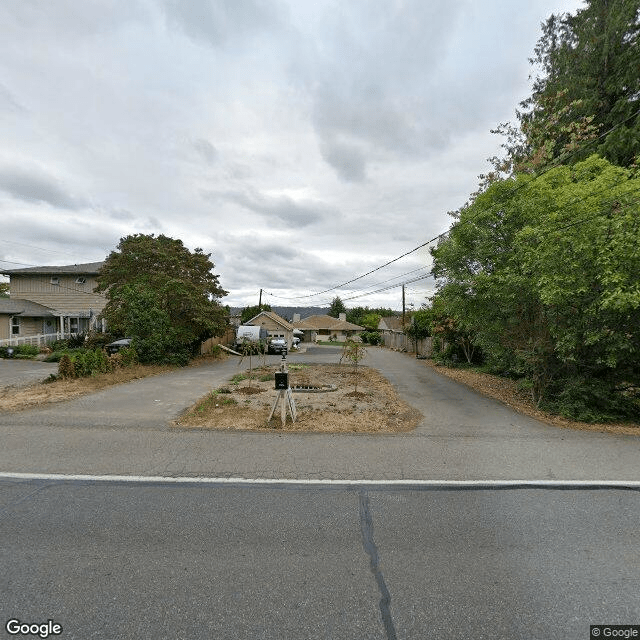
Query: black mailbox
<point x="282" y="380"/>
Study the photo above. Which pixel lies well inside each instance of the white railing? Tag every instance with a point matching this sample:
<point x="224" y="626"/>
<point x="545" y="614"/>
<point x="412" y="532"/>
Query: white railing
<point x="38" y="340"/>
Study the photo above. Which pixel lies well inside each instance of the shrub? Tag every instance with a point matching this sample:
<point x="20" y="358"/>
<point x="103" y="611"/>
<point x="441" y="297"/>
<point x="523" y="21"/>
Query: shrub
<point x="66" y="367"/>
<point x="79" y="360"/>
<point x="588" y="400"/>
<point x="76" y="340"/>
<point x="101" y="361"/>
<point x="128" y="356"/>
<point x="56" y="355"/>
<point x="20" y="351"/>
<point x="28" y="350"/>
<point x="371" y="337"/>
<point x="115" y="362"/>
<point x="96" y="340"/>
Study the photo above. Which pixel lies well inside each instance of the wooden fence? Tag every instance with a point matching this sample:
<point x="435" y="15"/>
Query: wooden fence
<point x="226" y="339"/>
<point x="402" y="342"/>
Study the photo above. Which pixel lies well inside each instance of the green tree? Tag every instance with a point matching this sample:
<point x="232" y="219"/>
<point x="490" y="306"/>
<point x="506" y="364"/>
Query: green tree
<point x="543" y="274"/>
<point x="357" y="314"/>
<point x="162" y="295"/>
<point x="586" y="83"/>
<point x="251" y="312"/>
<point x="354" y="352"/>
<point x="421" y="321"/>
<point x="4" y="289"/>
<point x="337" y="307"/>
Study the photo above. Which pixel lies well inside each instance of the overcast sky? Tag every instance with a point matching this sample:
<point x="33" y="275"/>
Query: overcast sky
<point x="301" y="142"/>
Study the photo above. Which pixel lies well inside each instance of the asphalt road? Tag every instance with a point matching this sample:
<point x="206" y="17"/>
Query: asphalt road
<point x="463" y="435"/>
<point x="126" y="561"/>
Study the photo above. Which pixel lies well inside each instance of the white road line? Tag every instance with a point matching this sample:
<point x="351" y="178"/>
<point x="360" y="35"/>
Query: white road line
<point x="633" y="484"/>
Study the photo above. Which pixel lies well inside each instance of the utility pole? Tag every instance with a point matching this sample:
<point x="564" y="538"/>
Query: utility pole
<point x="403" y="307"/>
<point x="260" y="300"/>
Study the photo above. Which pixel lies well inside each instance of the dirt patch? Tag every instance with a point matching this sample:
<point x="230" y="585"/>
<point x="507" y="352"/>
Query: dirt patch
<point x="15" y="399"/>
<point x="376" y="408"/>
<point x="507" y="391"/>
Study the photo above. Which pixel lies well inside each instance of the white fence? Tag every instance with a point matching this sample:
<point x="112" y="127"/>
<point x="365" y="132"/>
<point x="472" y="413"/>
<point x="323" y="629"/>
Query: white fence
<point x="39" y="340"/>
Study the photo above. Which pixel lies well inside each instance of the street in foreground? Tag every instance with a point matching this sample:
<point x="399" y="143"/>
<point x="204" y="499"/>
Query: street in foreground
<point x="159" y="560"/>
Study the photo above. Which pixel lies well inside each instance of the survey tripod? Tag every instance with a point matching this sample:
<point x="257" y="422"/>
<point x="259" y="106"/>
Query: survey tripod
<point x="285" y="395"/>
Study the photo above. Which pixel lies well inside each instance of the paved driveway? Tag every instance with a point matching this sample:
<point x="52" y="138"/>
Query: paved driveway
<point x="19" y="373"/>
<point x="463" y="435"/>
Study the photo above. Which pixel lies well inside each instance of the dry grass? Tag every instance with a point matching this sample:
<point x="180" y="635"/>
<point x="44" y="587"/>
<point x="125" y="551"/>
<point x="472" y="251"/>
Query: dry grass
<point x="376" y="408"/>
<point x="507" y="392"/>
<point x="12" y="399"/>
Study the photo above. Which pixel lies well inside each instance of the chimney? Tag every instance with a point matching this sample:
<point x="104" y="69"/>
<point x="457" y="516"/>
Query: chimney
<point x="296" y="317"/>
<point x="342" y="317"/>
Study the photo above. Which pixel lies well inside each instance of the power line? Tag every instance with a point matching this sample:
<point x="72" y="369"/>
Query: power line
<point x="377" y="284"/>
<point x="571" y="203"/>
<point x="31" y="246"/>
<point x="557" y="162"/>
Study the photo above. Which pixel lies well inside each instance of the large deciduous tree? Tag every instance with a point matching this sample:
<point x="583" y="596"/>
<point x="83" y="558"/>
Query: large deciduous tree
<point x="544" y="274"/>
<point x="163" y="295"/>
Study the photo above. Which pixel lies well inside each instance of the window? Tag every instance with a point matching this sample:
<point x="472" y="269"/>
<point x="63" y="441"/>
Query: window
<point x="55" y="280"/>
<point x="15" y="326"/>
<point x="81" y="280"/>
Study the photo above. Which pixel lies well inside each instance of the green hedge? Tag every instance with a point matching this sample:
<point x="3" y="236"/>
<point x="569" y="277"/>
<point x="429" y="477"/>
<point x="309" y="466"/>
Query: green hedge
<point x="20" y="351"/>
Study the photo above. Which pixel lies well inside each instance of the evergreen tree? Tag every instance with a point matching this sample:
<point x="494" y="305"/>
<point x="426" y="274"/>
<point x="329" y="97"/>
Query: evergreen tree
<point x="337" y="307"/>
<point x="587" y="83"/>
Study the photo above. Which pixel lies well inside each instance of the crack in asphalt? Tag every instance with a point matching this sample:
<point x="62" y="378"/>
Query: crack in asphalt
<point x="12" y="503"/>
<point x="366" y="526"/>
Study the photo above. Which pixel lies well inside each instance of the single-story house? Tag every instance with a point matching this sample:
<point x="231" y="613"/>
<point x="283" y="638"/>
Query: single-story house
<point x="275" y="326"/>
<point x="323" y="327"/>
<point x="391" y="324"/>
<point x="49" y="302"/>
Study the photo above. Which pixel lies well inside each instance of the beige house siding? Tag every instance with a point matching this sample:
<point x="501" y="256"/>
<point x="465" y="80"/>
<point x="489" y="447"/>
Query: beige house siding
<point x="29" y="326"/>
<point x="275" y="326"/>
<point x="67" y="297"/>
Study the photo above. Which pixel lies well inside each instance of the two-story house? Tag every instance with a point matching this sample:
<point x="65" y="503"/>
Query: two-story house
<point x="49" y="302"/>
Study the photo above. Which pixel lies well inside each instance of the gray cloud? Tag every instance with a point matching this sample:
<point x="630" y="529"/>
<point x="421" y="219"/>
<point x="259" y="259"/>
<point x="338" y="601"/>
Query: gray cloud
<point x="121" y="214"/>
<point x="217" y="22"/>
<point x="73" y="19"/>
<point x="283" y="208"/>
<point x="341" y="132"/>
<point x="73" y="236"/>
<point x="8" y="102"/>
<point x="206" y="150"/>
<point x="36" y="188"/>
<point x="348" y="161"/>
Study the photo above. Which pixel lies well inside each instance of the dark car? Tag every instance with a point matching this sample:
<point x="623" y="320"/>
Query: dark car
<point x="277" y="345"/>
<point x="114" y="347"/>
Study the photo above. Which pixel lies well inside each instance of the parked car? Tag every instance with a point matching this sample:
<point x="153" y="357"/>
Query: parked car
<point x="114" y="347"/>
<point x="277" y="345"/>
